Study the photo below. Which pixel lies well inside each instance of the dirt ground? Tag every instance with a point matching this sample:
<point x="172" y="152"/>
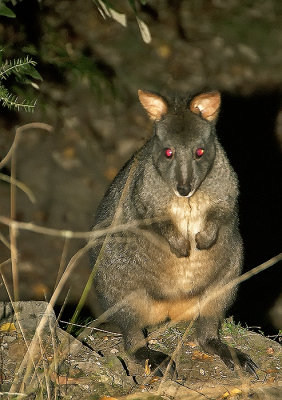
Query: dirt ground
<point x="59" y="366"/>
<point x="92" y="69"/>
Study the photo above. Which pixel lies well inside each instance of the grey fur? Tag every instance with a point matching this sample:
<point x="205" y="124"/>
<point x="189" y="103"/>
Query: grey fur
<point x="157" y="262"/>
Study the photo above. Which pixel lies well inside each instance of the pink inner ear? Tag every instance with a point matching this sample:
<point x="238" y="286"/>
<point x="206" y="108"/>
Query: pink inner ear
<point x="155" y="105"/>
<point x="207" y="105"/>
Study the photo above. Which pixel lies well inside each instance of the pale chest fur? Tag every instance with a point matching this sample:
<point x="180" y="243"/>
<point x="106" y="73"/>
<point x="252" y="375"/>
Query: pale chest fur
<point x="189" y="214"/>
<point x="189" y="217"/>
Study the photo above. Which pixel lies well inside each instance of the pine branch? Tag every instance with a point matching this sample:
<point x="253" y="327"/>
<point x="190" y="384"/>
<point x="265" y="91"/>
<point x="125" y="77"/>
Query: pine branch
<point x="11" y="101"/>
<point x="3" y="92"/>
<point x="17" y="66"/>
<point x="21" y="68"/>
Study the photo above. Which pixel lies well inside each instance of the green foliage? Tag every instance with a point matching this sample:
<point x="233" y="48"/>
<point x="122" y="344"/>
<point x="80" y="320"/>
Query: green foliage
<point x="230" y="328"/>
<point x="23" y="69"/>
<point x="67" y="62"/>
<point x="19" y="67"/>
<point x="6" y="11"/>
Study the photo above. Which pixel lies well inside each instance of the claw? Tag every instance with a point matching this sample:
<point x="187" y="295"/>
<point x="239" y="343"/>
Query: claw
<point x="247" y="363"/>
<point x="235" y="356"/>
<point x="250" y="366"/>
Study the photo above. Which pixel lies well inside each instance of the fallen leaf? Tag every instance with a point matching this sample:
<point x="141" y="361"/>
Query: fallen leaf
<point x="154" y="379"/>
<point x="147" y="368"/>
<point x="270" y="350"/>
<point x="8" y="327"/>
<point x="270" y="380"/>
<point x="108" y="398"/>
<point x="192" y="344"/>
<point x="198" y="355"/>
<point x="271" y="371"/>
<point x="230" y="393"/>
<point x="67" y="380"/>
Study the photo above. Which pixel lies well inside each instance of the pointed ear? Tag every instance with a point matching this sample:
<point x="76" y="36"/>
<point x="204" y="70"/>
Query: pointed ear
<point x="154" y="104"/>
<point x="207" y="105"/>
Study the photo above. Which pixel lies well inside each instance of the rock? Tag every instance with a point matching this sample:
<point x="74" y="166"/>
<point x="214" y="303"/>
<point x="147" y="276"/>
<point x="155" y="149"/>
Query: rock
<point x="26" y="315"/>
<point x="37" y="355"/>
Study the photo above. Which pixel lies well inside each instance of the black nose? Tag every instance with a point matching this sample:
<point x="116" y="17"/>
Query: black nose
<point x="184" y="190"/>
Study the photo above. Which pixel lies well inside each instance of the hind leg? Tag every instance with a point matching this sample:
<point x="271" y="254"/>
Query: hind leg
<point x="208" y="337"/>
<point x="136" y="345"/>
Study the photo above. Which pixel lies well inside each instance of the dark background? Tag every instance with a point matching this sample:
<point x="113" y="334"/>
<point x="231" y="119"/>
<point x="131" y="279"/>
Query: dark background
<point x="257" y="161"/>
<point x="91" y="69"/>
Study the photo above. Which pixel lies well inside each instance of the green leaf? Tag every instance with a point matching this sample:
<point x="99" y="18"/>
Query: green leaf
<point x="6" y="12"/>
<point x="107" y="11"/>
<point x="32" y="72"/>
<point x="144" y="30"/>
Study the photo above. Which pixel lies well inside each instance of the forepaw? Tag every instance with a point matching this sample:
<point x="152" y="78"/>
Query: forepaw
<point x="180" y="247"/>
<point x="204" y="241"/>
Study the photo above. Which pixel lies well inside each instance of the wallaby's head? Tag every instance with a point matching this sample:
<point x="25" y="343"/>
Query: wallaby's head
<point x="184" y="140"/>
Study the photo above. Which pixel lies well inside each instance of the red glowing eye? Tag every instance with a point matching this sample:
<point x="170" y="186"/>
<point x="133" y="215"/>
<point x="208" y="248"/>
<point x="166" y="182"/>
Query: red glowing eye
<point x="199" y="152"/>
<point x="168" y="153"/>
